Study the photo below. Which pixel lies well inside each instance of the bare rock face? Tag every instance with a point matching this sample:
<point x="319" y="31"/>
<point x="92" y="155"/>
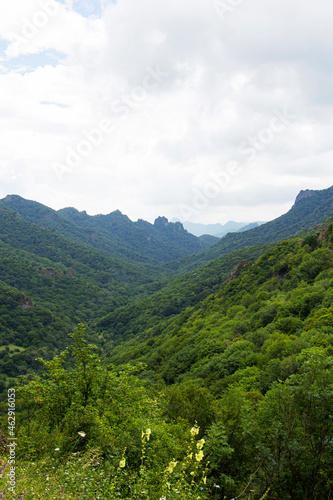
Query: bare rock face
<point x="161" y="222"/>
<point x="235" y="272"/>
<point x="307" y="193"/>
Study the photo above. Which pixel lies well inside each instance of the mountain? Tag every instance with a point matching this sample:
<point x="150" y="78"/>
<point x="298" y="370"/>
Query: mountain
<point x="59" y="268"/>
<point x="249" y="226"/>
<point x="256" y="320"/>
<point x="117" y="276"/>
<point x="114" y="233"/>
<point x="217" y="230"/>
<point x="310" y="208"/>
<point x="197" y="380"/>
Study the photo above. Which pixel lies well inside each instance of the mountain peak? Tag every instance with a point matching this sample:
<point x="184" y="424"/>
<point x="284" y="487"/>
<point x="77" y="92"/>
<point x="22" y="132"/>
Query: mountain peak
<point x="161" y="222"/>
<point x="307" y="193"/>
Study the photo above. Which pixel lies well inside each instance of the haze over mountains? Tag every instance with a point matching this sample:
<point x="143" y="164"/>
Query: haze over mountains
<point x="218" y="230"/>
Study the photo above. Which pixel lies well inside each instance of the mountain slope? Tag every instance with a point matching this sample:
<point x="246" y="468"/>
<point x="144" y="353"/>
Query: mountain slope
<point x="175" y="297"/>
<point x="114" y="233"/>
<point x="310" y="208"/>
<point x="87" y="262"/>
<point x="262" y="316"/>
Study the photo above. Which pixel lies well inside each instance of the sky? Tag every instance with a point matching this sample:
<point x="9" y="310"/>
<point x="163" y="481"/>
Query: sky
<point x="200" y="110"/>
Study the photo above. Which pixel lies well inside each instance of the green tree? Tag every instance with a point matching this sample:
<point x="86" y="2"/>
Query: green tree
<point x="295" y="431"/>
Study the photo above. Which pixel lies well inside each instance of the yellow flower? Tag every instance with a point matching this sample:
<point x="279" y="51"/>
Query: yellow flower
<point x="148" y="432"/>
<point x="199" y="456"/>
<point x="171" y="466"/>
<point x="194" y="431"/>
<point x="190" y="456"/>
<point x="204" y="479"/>
<point x="122" y="463"/>
<point x="200" y="444"/>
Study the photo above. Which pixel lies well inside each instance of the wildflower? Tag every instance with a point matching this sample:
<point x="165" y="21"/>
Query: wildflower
<point x="171" y="466"/>
<point x="122" y="463"/>
<point x="82" y="434"/>
<point x="200" y="444"/>
<point x="194" y="431"/>
<point x="199" y="456"/>
<point x="204" y="480"/>
<point x="57" y="449"/>
<point x="148" y="432"/>
<point x="190" y="456"/>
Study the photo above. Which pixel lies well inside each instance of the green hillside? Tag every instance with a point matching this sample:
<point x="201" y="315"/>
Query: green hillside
<point x="235" y="398"/>
<point x="176" y="296"/>
<point x="221" y="382"/>
<point x="310" y="209"/>
<point x="94" y="265"/>
<point x="114" y="233"/>
<point x="262" y="316"/>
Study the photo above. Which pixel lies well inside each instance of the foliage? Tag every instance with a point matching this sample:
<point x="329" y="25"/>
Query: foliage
<point x="221" y="384"/>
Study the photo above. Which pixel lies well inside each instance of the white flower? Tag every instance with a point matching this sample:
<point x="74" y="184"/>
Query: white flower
<point x="57" y="449"/>
<point x="82" y="434"/>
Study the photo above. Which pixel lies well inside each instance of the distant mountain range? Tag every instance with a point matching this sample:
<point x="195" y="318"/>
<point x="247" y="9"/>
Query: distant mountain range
<point x="218" y="230"/>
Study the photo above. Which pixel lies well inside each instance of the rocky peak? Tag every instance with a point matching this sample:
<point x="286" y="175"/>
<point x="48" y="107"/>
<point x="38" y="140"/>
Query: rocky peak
<point x="307" y="193"/>
<point x="161" y="222"/>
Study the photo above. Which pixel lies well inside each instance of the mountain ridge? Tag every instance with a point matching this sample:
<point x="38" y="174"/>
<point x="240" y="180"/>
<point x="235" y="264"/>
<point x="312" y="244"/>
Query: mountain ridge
<point x="135" y="241"/>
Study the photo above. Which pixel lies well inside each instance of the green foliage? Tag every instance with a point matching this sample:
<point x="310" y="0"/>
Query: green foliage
<point x="191" y="402"/>
<point x="258" y="320"/>
<point x="108" y="420"/>
<point x="239" y="349"/>
<point x="295" y="428"/>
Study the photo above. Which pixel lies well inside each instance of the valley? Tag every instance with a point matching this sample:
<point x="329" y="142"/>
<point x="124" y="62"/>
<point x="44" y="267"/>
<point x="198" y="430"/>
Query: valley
<point x="232" y="337"/>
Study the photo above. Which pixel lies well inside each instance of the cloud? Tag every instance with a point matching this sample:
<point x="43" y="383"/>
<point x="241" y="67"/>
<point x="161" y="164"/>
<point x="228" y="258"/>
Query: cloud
<point x="184" y="88"/>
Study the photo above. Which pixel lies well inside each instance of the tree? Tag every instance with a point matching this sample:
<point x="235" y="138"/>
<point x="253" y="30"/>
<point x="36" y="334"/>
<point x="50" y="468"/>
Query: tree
<point x="295" y="430"/>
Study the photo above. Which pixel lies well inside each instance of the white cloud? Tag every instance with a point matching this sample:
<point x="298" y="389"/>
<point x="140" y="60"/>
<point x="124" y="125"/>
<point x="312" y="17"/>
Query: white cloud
<point x="187" y="92"/>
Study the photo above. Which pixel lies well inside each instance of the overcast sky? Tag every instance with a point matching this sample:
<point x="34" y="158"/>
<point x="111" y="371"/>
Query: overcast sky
<point x="204" y="110"/>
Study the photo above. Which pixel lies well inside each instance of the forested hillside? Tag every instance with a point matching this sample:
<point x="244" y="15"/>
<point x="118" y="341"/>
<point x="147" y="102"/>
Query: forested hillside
<point x="209" y="378"/>
<point x="114" y="233"/>
<point x="234" y="396"/>
<point x="310" y="208"/>
<point x="250" y="332"/>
